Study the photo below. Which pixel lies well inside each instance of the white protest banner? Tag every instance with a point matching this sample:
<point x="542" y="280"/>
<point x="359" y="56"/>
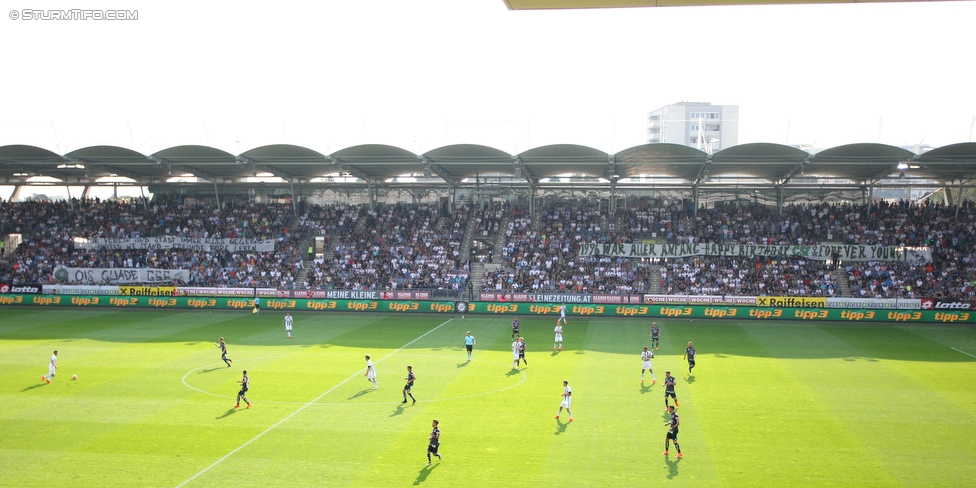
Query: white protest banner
<point x="819" y="252"/>
<point x="172" y="242"/>
<point x="119" y="276"/>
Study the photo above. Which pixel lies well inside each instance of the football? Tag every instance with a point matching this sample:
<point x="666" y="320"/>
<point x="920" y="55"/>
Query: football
<point x="74" y="376"/>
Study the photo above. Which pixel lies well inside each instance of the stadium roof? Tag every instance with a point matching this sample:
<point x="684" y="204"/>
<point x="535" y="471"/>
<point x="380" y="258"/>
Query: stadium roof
<point x="760" y="163"/>
<point x="575" y="4"/>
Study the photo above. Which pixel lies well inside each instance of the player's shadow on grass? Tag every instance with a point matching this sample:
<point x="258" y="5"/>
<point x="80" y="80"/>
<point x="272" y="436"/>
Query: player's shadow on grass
<point x="398" y="411"/>
<point x="672" y="467"/>
<point x="461" y="365"/>
<point x="513" y="372"/>
<point x="424" y="473"/>
<point x="645" y="389"/>
<point x="202" y="371"/>
<point x="360" y="393"/>
<point x="32" y="387"/>
<point x="690" y="379"/>
<point x="560" y="427"/>
<point x="228" y="413"/>
<point x="554" y="354"/>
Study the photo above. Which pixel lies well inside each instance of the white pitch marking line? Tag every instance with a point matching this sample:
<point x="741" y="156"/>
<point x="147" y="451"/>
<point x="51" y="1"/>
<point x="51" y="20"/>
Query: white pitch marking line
<point x="964" y="352"/>
<point x="303" y="407"/>
<point x="321" y="404"/>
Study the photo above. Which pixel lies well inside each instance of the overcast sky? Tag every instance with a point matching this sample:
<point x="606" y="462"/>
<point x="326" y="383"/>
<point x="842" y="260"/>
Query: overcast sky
<point x="422" y="74"/>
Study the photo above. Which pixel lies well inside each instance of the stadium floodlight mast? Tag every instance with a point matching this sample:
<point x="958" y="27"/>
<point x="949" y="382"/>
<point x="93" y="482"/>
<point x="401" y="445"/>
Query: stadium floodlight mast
<point x="709" y="148"/>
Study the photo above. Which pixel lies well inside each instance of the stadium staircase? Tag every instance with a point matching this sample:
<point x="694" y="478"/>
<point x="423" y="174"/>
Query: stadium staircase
<point x="654" y="287"/>
<point x="843" y="285"/>
<point x="468" y="239"/>
<point x="477" y="274"/>
<point x="500" y="238"/>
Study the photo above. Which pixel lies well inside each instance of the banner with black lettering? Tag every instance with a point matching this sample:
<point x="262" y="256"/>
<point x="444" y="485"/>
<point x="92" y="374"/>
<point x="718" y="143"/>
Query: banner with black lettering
<point x="119" y="276"/>
<point x="172" y="242"/>
<point x="819" y="252"/>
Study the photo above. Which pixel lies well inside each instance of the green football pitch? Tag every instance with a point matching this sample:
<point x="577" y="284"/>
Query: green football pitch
<point x="770" y="404"/>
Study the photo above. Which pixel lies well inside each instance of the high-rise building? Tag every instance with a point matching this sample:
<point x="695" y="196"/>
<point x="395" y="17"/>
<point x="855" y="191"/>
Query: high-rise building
<point x="697" y="124"/>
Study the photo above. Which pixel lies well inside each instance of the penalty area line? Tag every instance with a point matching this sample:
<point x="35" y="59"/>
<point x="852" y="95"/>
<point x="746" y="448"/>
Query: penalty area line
<point x="303" y="407"/>
<point x="964" y="352"/>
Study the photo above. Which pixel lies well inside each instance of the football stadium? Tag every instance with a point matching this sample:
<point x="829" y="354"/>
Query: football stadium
<point x="763" y="314"/>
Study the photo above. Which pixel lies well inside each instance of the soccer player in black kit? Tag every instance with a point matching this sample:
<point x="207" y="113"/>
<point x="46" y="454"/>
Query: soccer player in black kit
<point x="672" y="424"/>
<point x="669" y="390"/>
<point x="515" y="328"/>
<point x="406" y="388"/>
<point x="223" y="352"/>
<point x="245" y="384"/>
<point x="655" y="336"/>
<point x="521" y="349"/>
<point x="435" y="442"/>
<point x="690" y="354"/>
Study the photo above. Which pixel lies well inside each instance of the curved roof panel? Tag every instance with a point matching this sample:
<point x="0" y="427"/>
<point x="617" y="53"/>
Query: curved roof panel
<point x="22" y="153"/>
<point x="468" y="160"/>
<point x="955" y="162"/>
<point x="557" y="159"/>
<point x="371" y="161"/>
<point x="663" y="158"/>
<point x="109" y="160"/>
<point x="203" y="162"/>
<point x="288" y="161"/>
<point x="19" y="159"/>
<point x="964" y="152"/>
<point x="858" y="162"/>
<point x="767" y="161"/>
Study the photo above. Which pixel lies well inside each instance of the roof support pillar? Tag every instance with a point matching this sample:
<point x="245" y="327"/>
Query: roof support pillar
<point x="959" y="199"/>
<point x="868" y="200"/>
<point x="532" y="202"/>
<point x="694" y="212"/>
<point x="216" y="194"/>
<point x="68" y="189"/>
<point x="16" y="194"/>
<point x="613" y="197"/>
<point x="294" y="203"/>
<point x="87" y="191"/>
<point x="779" y="200"/>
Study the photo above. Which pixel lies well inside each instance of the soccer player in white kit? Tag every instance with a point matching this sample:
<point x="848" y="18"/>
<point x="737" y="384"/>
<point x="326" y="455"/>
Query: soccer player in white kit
<point x="515" y="353"/>
<point x="52" y="368"/>
<point x="558" y="346"/>
<point x="567" y="401"/>
<point x="371" y="373"/>
<point x="288" y="321"/>
<point x="646" y="356"/>
<point x="562" y="314"/>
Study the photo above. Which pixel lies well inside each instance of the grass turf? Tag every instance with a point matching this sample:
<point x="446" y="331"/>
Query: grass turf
<point x="771" y="404"/>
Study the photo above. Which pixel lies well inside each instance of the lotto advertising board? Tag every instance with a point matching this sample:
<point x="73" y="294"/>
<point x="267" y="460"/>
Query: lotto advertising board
<point x="225" y="303"/>
<point x="724" y="312"/>
<point x="659" y="311"/>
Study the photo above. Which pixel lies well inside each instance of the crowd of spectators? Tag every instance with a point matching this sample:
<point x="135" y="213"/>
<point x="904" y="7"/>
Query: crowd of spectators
<point x="712" y="275"/>
<point x="543" y="256"/>
<point x="950" y="234"/>
<point x="489" y="216"/>
<point x="329" y="219"/>
<point x="49" y="231"/>
<point x="400" y="246"/>
<point x="397" y="247"/>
